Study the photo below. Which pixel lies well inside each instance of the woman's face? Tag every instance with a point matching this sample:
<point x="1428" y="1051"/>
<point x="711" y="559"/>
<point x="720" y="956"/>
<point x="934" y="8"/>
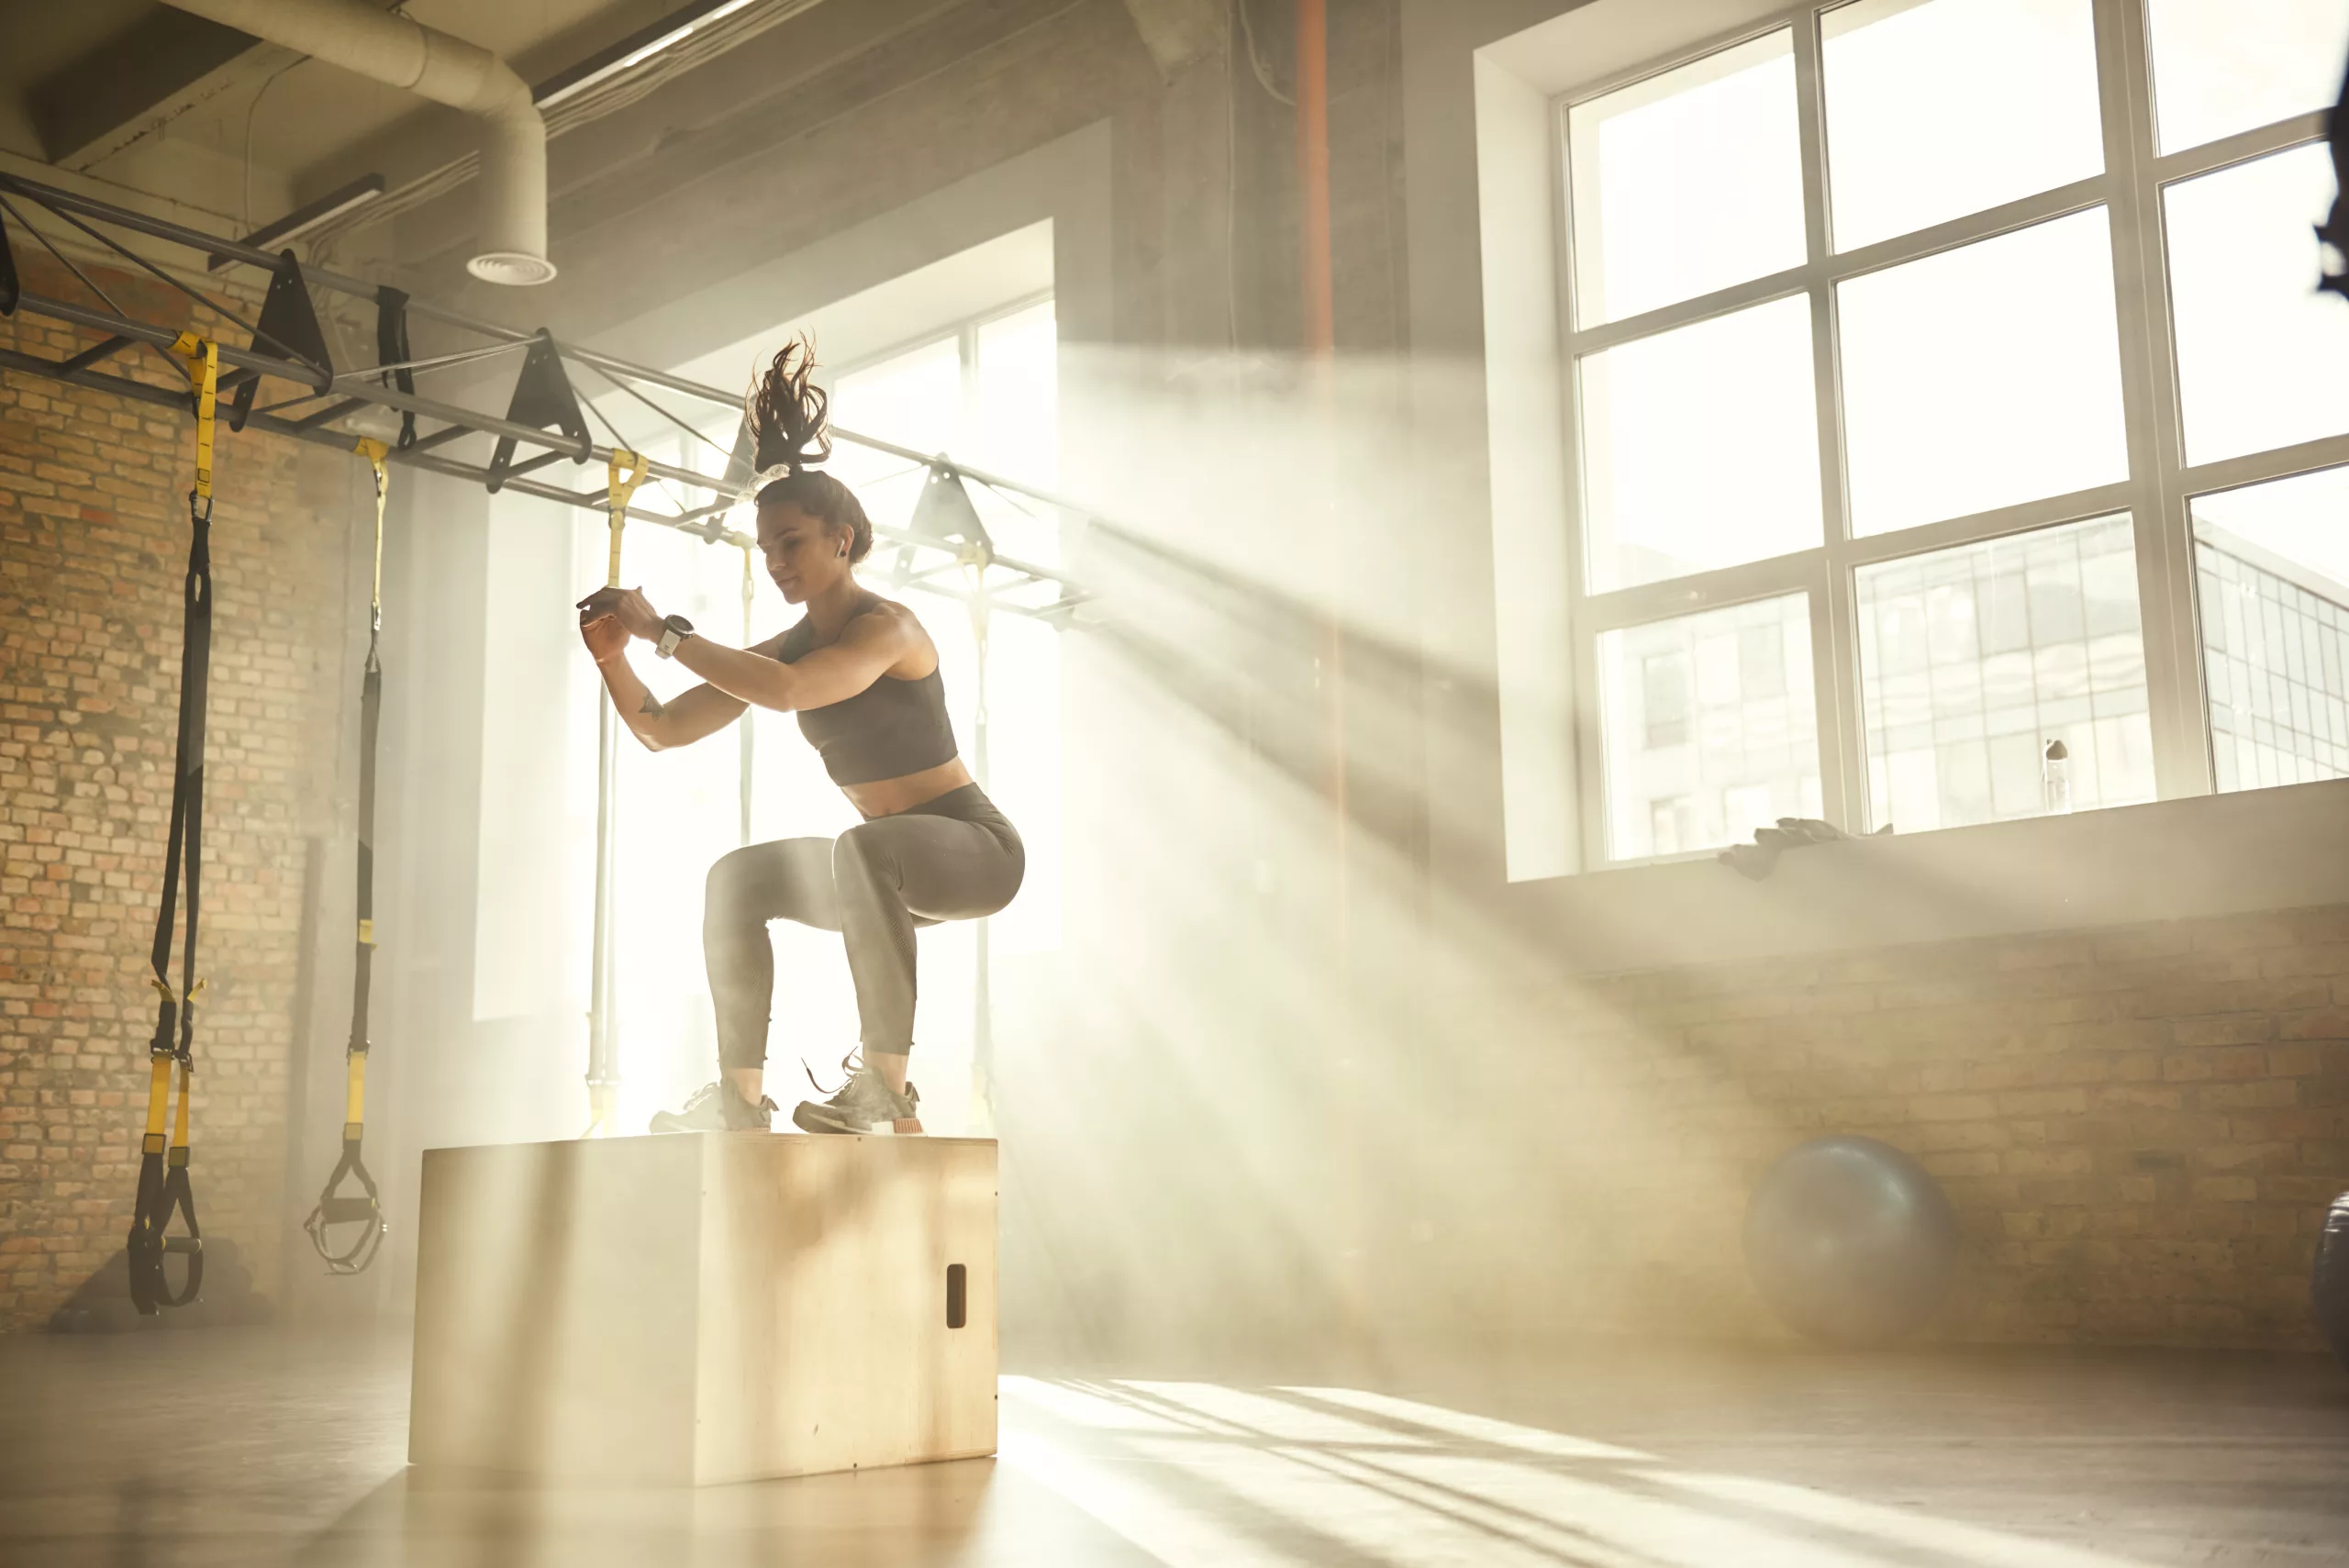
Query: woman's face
<point x="803" y="556"/>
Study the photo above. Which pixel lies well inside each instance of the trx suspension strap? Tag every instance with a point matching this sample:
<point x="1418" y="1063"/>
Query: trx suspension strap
<point x="366" y="1211"/>
<point x="625" y="473"/>
<point x="979" y="554"/>
<point x="162" y="1169"/>
<point x="749" y="583"/>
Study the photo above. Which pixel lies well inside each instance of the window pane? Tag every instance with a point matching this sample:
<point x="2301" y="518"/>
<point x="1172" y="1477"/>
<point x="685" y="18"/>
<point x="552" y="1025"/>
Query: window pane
<point x="2259" y="351"/>
<point x="1701" y="447"/>
<point x="2222" y="66"/>
<point x="1687" y="182"/>
<point x="1015" y="426"/>
<point x="1939" y="109"/>
<point x="1972" y="659"/>
<point x="914" y="399"/>
<point x="1709" y="728"/>
<point x="2273" y="561"/>
<point x="1017" y="394"/>
<point x="1983" y="376"/>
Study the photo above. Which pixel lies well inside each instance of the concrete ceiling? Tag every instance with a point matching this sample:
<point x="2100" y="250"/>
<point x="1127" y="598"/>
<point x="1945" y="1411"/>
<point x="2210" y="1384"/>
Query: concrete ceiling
<point x="1179" y="32"/>
<point x="137" y="93"/>
<point x="138" y="98"/>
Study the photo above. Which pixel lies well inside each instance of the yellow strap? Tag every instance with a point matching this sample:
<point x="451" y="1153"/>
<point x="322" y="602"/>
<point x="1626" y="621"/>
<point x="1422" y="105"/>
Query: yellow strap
<point x="203" y="357"/>
<point x="179" y="1122"/>
<point x="625" y="473"/>
<point x="374" y="452"/>
<point x="354" y="1104"/>
<point x="158" y="1098"/>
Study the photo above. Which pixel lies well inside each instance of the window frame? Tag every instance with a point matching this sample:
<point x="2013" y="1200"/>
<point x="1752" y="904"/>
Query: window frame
<point x="963" y="333"/>
<point x="2154" y="493"/>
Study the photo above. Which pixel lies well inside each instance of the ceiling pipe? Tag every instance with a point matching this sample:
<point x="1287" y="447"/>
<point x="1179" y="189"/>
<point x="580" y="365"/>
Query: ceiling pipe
<point x="391" y="48"/>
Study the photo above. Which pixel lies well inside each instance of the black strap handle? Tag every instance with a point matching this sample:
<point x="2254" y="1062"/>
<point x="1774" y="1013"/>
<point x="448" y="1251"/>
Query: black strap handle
<point x="151" y="1287"/>
<point x="332" y="1210"/>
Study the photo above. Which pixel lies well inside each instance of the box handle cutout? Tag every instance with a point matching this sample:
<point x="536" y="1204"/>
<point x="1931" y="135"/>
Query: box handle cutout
<point x="957" y="1293"/>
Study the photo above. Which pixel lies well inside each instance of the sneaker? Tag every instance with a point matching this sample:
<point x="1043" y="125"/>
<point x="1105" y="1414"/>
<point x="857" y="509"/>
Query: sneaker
<point x="864" y="1103"/>
<point x="717" y="1108"/>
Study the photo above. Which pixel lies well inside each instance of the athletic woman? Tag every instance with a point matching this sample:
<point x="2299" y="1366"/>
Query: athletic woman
<point x="862" y="677"/>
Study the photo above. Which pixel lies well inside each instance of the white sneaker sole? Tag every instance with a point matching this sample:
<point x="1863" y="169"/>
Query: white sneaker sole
<point x="810" y="1117"/>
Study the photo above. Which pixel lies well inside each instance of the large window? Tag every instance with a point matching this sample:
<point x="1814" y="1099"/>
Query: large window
<point x="985" y="392"/>
<point x="1952" y="411"/>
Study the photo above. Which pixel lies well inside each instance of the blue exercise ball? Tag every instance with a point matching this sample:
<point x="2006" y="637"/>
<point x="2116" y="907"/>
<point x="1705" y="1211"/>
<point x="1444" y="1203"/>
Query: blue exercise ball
<point x="1850" y="1241"/>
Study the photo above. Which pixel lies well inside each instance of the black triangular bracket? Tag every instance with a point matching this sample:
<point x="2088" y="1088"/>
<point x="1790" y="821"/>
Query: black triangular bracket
<point x="742" y="463"/>
<point x="9" y="290"/>
<point x="944" y="511"/>
<point x="288" y="329"/>
<point x="2332" y="247"/>
<point x="742" y="476"/>
<point x="542" y="397"/>
<point x="2332" y="261"/>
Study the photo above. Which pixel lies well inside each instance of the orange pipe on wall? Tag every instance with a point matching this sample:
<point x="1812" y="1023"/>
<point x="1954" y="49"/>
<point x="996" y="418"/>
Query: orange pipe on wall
<point x="1318" y="333"/>
<point x="1320" y="327"/>
<point x="1318" y="337"/>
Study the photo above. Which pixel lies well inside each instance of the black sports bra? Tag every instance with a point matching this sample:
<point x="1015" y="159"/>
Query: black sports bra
<point x="890" y="729"/>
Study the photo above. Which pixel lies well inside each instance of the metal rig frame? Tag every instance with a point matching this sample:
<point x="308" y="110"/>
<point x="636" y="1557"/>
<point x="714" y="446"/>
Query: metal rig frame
<point x="928" y="557"/>
<point x="946" y="550"/>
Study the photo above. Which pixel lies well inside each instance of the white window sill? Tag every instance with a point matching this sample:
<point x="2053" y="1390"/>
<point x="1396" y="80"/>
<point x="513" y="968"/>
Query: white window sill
<point x="2172" y="860"/>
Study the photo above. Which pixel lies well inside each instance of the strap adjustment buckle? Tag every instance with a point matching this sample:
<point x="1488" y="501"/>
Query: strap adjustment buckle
<point x="163" y="987"/>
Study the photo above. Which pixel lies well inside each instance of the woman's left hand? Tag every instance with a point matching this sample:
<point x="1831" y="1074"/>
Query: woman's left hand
<point x="627" y="606"/>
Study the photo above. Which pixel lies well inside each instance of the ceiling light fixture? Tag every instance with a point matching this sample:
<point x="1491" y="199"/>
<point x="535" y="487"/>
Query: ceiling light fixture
<point x="633" y="51"/>
<point x="302" y="219"/>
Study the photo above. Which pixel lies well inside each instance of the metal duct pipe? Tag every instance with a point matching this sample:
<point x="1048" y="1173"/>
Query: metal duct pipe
<point x="432" y="64"/>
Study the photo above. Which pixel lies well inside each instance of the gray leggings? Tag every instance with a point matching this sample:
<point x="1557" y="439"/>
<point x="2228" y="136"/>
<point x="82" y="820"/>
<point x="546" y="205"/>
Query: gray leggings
<point x="954" y="858"/>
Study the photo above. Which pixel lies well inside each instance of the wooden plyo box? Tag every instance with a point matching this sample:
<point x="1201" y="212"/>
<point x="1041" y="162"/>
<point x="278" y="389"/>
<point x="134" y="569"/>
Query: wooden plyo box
<point x="705" y="1308"/>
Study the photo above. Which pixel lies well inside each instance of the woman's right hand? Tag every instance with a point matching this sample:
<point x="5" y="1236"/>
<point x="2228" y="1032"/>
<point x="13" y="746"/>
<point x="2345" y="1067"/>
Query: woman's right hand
<point x="604" y="636"/>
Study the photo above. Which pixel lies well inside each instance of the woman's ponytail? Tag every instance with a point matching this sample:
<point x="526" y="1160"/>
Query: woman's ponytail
<point x="787" y="413"/>
<point x="790" y="434"/>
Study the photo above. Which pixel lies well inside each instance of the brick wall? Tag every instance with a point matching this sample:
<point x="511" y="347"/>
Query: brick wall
<point x="93" y="547"/>
<point x="2140" y="1128"/>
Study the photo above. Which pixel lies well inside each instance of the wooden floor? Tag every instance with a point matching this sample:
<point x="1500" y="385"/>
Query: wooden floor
<point x="237" y="1447"/>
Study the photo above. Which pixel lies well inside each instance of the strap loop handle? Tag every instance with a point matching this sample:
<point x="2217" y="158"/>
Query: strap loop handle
<point x="164" y="1190"/>
<point x="366" y="1211"/>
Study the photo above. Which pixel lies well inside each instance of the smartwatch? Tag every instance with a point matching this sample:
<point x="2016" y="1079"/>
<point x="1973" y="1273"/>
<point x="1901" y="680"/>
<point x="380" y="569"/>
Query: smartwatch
<point x="674" y="629"/>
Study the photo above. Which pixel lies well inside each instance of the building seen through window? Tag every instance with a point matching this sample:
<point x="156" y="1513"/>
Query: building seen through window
<point x="2274" y="566"/>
